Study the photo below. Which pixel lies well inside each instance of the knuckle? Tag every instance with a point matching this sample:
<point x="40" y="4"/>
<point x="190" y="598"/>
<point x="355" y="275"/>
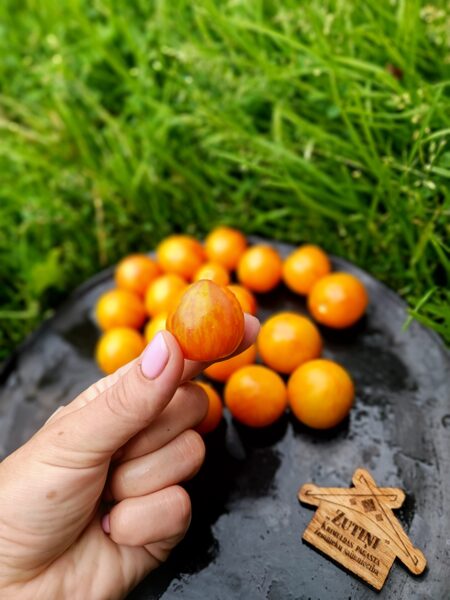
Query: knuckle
<point x="181" y="509"/>
<point x="192" y="448"/>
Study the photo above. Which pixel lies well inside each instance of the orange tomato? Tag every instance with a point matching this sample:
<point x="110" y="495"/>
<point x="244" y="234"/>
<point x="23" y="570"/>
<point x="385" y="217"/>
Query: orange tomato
<point x="221" y="371"/>
<point x="120" y="308"/>
<point x="338" y="300"/>
<point x="158" y="323"/>
<point x="245" y="298"/>
<point x="213" y="271"/>
<point x="135" y="273"/>
<point x="320" y="393"/>
<point x="256" y="396"/>
<point x="215" y="409"/>
<point x="208" y="322"/>
<point x="117" y="347"/>
<point x="260" y="268"/>
<point x="164" y="293"/>
<point x="286" y="340"/>
<point x="225" y="245"/>
<point x="180" y="254"/>
<point x="304" y="267"/>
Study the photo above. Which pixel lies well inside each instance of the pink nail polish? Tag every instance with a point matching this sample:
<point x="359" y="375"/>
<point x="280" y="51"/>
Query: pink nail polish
<point x="155" y="357"/>
<point x="106" y="525"/>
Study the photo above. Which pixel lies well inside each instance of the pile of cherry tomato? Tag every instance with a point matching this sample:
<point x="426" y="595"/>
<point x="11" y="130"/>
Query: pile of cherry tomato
<point x="319" y="392"/>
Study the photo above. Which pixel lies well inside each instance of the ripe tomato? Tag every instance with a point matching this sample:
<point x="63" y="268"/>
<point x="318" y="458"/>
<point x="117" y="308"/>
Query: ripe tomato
<point x="221" y="371"/>
<point x="245" y="298"/>
<point x="135" y="273"/>
<point x="256" y="396"/>
<point x="260" y="268"/>
<point x="215" y="409"/>
<point x="225" y="246"/>
<point x="338" y="300"/>
<point x="214" y="272"/>
<point x="120" y="308"/>
<point x="158" y="323"/>
<point x="286" y="340"/>
<point x="117" y="347"/>
<point x="164" y="293"/>
<point x="304" y="267"/>
<point x="320" y="393"/>
<point x="208" y="322"/>
<point x="180" y="254"/>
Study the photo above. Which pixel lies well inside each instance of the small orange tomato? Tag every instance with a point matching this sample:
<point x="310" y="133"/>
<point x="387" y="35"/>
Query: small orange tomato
<point x="260" y="268"/>
<point x="158" y="323"/>
<point x="180" y="254"/>
<point x="304" y="267"/>
<point x="286" y="340"/>
<point x="245" y="298"/>
<point x="215" y="409"/>
<point x="120" y="308"/>
<point x="256" y="396"/>
<point x="208" y="322"/>
<point x="225" y="245"/>
<point x="213" y="271"/>
<point x="221" y="371"/>
<point x="135" y="273"/>
<point x="117" y="347"/>
<point x="338" y="300"/>
<point x="164" y="293"/>
<point x="320" y="393"/>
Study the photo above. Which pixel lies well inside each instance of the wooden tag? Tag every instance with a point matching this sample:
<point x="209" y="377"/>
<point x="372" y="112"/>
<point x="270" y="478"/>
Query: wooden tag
<point x="357" y="528"/>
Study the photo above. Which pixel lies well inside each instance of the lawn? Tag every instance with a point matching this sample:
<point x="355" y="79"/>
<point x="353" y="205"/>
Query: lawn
<point x="320" y="120"/>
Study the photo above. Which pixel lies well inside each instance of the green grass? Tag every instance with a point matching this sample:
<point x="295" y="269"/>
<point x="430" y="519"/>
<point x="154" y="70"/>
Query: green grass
<point x="319" y="120"/>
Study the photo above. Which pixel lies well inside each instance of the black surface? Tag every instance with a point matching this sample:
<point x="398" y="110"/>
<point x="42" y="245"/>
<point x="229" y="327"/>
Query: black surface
<point x="245" y="537"/>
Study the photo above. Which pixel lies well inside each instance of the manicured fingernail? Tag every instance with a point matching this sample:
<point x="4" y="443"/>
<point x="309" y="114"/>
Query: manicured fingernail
<point x="155" y="357"/>
<point x="106" y="525"/>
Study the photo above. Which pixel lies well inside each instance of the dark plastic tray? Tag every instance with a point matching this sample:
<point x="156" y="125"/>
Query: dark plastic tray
<point x="245" y="537"/>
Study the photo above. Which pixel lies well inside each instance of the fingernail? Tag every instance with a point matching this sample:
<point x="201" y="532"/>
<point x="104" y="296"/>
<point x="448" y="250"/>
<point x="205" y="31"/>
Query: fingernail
<point x="155" y="357"/>
<point x="106" y="525"/>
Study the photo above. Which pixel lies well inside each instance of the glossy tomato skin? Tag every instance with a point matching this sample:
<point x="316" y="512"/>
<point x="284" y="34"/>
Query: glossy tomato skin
<point x="304" y="267"/>
<point x="260" y="268"/>
<point x="157" y="323"/>
<point x="135" y="273"/>
<point x="180" y="254"/>
<point x="320" y="393"/>
<point x="222" y="370"/>
<point x="287" y="340"/>
<point x="225" y="245"/>
<point x="256" y="396"/>
<point x="338" y="300"/>
<point x="213" y="271"/>
<point x="120" y="308"/>
<point x="117" y="347"/>
<point x="208" y="322"/>
<point x="164" y="293"/>
<point x="245" y="298"/>
<point x="215" y="410"/>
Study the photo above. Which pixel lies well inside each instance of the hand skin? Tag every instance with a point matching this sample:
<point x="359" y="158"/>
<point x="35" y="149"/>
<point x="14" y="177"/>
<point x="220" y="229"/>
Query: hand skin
<point x="126" y="439"/>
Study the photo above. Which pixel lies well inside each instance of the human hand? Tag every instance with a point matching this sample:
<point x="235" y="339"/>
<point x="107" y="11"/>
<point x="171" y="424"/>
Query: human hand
<point x="125" y="438"/>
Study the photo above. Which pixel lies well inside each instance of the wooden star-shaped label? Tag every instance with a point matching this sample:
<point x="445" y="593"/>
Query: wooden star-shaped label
<point x="357" y="528"/>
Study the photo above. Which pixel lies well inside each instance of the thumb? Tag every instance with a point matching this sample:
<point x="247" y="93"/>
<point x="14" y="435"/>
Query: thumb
<point x="126" y="403"/>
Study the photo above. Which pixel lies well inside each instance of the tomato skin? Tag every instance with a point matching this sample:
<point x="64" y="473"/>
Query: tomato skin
<point x="135" y="273"/>
<point x="225" y="245"/>
<point x="215" y="410"/>
<point x="256" y="396"/>
<point x="338" y="300"/>
<point x="320" y="393"/>
<point x="180" y="254"/>
<point x="245" y="298"/>
<point x="198" y="322"/>
<point x="221" y="371"/>
<point x="304" y="267"/>
<point x="164" y="293"/>
<point x="120" y="308"/>
<point x="117" y="347"/>
<point x="287" y="340"/>
<point x="213" y="271"/>
<point x="260" y="268"/>
<point x="157" y="323"/>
